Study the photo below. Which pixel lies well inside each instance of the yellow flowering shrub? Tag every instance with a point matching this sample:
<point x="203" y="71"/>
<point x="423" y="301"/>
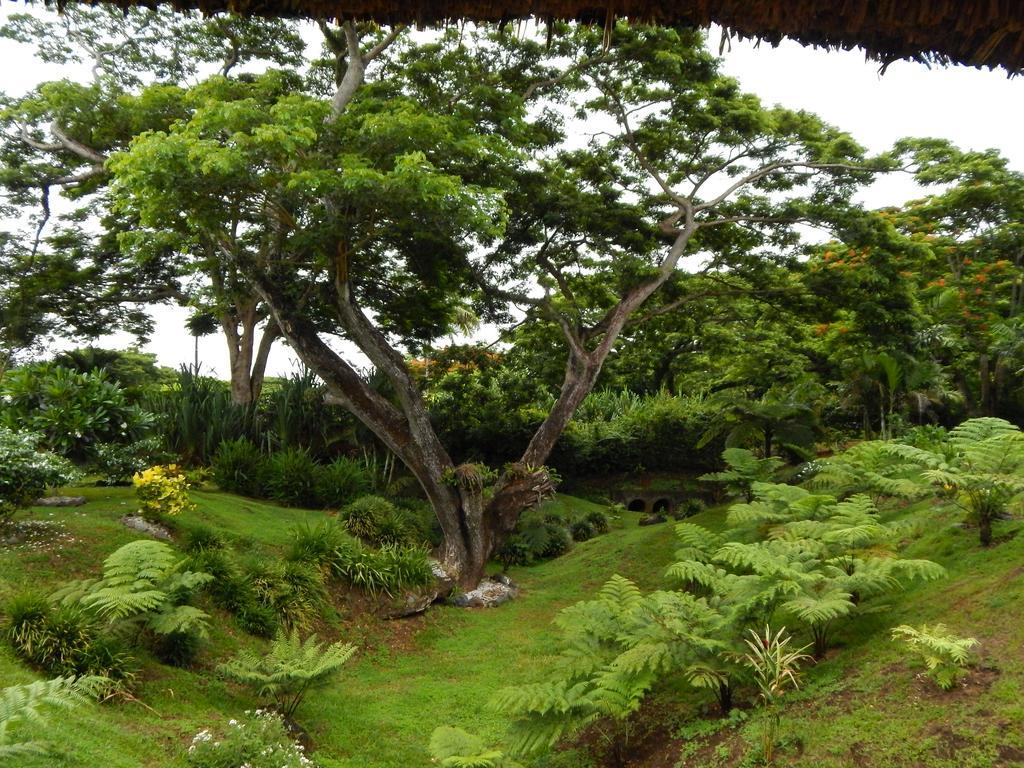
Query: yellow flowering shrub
<point x="162" y="491"/>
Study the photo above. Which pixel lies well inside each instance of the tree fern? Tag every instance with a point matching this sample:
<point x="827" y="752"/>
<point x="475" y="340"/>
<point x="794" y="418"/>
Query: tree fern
<point x="944" y="654"/>
<point x="743" y="470"/>
<point x="21" y="704"/>
<point x="981" y="463"/>
<point x="698" y="542"/>
<point x="143" y="581"/>
<point x="290" y="670"/>
<point x="454" y="748"/>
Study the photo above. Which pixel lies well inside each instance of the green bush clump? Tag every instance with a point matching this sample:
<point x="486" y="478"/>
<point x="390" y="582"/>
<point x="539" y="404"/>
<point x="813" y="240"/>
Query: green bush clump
<point x="317" y="544"/>
<point x="199" y="538"/>
<point x="559" y="538"/>
<point x="118" y="463"/>
<point x="65" y="640"/>
<point x="26" y="472"/>
<point x="239" y="467"/>
<point x="256" y="739"/>
<point x="689" y="507"/>
<point x="376" y="521"/>
<point x="340" y="482"/>
<point x="388" y="570"/>
<point x="598" y="521"/>
<point x="144" y="590"/>
<point x="293" y="591"/>
<point x="72" y="412"/>
<point x="258" y="619"/>
<point x="291" y="478"/>
<point x="420" y="518"/>
<point x="582" y="529"/>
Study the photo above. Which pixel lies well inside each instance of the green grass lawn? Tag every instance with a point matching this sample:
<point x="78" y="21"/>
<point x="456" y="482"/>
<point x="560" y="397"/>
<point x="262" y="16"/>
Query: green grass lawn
<point x="410" y="676"/>
<point x="865" y="705"/>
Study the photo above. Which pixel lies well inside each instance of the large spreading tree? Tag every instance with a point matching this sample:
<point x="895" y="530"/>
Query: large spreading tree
<point x="55" y="141"/>
<point x="401" y="180"/>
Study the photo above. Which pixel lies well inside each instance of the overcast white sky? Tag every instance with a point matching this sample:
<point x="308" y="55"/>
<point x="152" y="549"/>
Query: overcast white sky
<point x="976" y="109"/>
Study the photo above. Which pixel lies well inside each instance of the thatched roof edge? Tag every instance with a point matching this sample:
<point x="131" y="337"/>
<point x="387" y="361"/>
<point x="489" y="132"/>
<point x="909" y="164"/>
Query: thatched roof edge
<point x="986" y="33"/>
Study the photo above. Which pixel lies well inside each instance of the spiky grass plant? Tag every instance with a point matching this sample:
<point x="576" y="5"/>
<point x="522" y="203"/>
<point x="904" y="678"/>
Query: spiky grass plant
<point x="776" y="667"/>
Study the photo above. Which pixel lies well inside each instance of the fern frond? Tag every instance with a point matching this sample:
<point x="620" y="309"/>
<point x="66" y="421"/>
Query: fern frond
<point x="25" y="704"/>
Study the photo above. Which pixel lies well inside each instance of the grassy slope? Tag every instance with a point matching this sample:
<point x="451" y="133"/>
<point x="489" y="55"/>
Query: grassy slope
<point x="864" y="706"/>
<point x="868" y="704"/>
<point x="411" y="676"/>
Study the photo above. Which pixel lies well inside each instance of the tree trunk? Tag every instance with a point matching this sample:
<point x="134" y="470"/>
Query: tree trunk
<point x="724" y="696"/>
<point x="247" y="360"/>
<point x="985" y="384"/>
<point x="985" y="529"/>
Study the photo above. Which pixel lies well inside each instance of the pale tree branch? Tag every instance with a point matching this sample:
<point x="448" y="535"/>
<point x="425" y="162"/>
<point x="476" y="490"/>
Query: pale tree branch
<point x="356" y="61"/>
<point x="380" y="47"/>
<point x="566" y="74"/>
<point x="77" y="147"/>
<point x="641" y="157"/>
<point x="768" y="170"/>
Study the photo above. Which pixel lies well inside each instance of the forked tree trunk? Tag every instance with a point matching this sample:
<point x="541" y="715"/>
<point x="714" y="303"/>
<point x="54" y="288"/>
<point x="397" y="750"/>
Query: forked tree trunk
<point x="247" y="359"/>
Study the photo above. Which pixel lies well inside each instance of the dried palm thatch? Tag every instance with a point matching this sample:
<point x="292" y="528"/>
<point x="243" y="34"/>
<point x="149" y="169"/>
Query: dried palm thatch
<point x="976" y="32"/>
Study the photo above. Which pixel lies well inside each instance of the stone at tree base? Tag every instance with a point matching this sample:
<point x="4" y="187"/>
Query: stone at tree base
<point x="139" y="523"/>
<point x="502" y="578"/>
<point x="490" y="593"/>
<point x="60" y="501"/>
<point x="407" y="604"/>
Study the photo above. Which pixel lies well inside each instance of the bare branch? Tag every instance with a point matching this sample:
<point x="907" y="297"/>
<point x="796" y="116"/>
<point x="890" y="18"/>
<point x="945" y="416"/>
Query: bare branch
<point x="26" y="137"/>
<point x="645" y="163"/>
<point x="566" y="74"/>
<point x="768" y="170"/>
<point x="380" y="47"/>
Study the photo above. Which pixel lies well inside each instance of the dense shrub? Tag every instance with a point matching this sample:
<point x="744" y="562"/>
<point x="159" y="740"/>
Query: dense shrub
<point x="63" y="641"/>
<point x="421" y="519"/>
<point x="582" y="529"/>
<point x="559" y="538"/>
<point x="616" y="431"/>
<point x="291" y="478"/>
<point x="144" y="587"/>
<point x="598" y="521"/>
<point x="239" y="467"/>
<point x="689" y="507"/>
<point x="25" y="472"/>
<point x="197" y="415"/>
<point x="341" y="482"/>
<point x="258" y="619"/>
<point x="162" y="492"/>
<point x="72" y="412"/>
<point x="317" y="544"/>
<point x="293" y="591"/>
<point x="331" y="548"/>
<point x="198" y="538"/>
<point x="256" y="740"/>
<point x="118" y="463"/>
<point x="377" y="521"/>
